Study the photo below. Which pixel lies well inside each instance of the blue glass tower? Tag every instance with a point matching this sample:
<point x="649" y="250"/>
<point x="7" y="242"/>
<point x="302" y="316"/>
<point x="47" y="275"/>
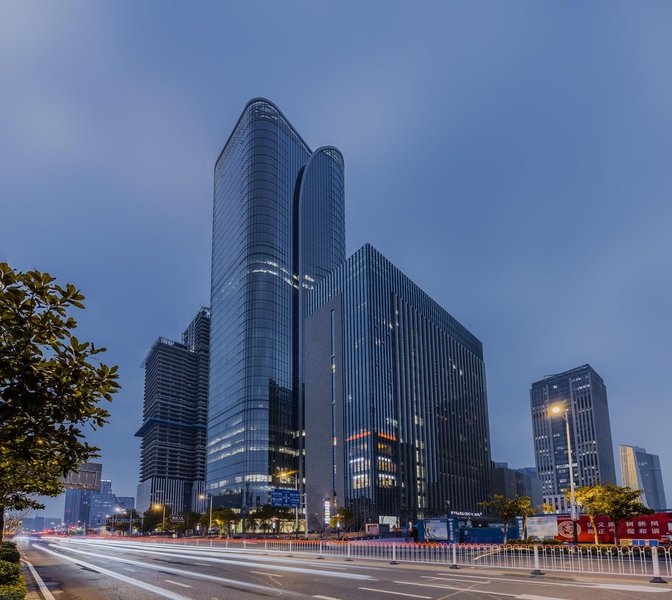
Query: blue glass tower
<point x="278" y="228"/>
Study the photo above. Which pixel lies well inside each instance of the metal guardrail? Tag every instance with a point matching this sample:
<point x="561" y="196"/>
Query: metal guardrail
<point x="653" y="562"/>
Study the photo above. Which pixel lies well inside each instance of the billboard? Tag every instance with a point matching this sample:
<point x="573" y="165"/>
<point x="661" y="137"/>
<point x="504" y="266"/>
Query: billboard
<point x="440" y="530"/>
<point x="86" y="478"/>
<point x="542" y="527"/>
<point x="285" y="498"/>
<point x="657" y="526"/>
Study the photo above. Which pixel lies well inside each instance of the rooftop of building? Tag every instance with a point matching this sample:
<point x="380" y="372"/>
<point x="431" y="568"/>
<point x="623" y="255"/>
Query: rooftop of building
<point x="569" y="373"/>
<point x="369" y="254"/>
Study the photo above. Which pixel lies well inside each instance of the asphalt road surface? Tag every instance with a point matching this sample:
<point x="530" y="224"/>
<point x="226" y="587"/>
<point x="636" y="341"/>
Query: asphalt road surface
<point x="93" y="569"/>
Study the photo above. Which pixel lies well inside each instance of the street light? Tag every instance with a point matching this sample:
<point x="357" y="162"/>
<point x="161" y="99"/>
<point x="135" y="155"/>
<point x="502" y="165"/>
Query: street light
<point x="563" y="409"/>
<point x="117" y="510"/>
<point x="204" y="497"/>
<point x="157" y="506"/>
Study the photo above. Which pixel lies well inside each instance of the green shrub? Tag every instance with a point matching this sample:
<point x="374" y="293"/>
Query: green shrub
<point x="10" y="555"/>
<point x="7" y="544"/>
<point x="13" y="591"/>
<point x="9" y="572"/>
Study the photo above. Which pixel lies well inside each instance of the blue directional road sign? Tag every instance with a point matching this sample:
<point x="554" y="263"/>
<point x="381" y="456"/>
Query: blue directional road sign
<point x="286" y="498"/>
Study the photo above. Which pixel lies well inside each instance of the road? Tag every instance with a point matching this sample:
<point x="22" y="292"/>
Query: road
<point x="96" y="569"/>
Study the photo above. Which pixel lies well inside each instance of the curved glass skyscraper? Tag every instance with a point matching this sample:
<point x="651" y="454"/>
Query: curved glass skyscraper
<point x="278" y="227"/>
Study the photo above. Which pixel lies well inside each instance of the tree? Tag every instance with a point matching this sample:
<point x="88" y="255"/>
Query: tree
<point x="190" y="520"/>
<point x="151" y="519"/>
<point x="344" y="518"/>
<point x="547" y="509"/>
<point x="505" y="508"/>
<point x="223" y="518"/>
<point x="524" y="509"/>
<point x="50" y="388"/>
<point x="613" y="501"/>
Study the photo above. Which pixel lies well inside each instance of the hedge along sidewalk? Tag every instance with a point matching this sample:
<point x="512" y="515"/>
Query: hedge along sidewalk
<point x="12" y="585"/>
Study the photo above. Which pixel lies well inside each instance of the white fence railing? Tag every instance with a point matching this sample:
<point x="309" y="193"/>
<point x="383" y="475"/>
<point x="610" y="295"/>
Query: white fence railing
<point x="653" y="562"/>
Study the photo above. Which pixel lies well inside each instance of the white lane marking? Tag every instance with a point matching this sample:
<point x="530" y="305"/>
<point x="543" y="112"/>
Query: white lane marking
<point x="246" y="563"/>
<point x="614" y="586"/>
<point x="269" y="574"/>
<point x="632" y="588"/>
<point x="274" y="555"/>
<point x="451" y="575"/>
<point x="169" y="570"/>
<point x="461" y="589"/>
<point x="129" y="569"/>
<point x="204" y="553"/>
<point x="535" y="597"/>
<point x="487" y="592"/>
<point x="176" y="583"/>
<point x="458" y="579"/>
<point x="395" y="593"/>
<point x="40" y="584"/>
<point x="202" y="564"/>
<point x="326" y="597"/>
<point x="135" y="582"/>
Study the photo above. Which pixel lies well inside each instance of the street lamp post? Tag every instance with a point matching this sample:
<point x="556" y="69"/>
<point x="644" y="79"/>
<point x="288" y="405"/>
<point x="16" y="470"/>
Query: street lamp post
<point x="203" y="497"/>
<point x="117" y="510"/>
<point x="564" y="410"/>
<point x="164" y="504"/>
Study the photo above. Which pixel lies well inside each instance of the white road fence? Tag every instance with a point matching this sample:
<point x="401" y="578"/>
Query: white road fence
<point x="653" y="562"/>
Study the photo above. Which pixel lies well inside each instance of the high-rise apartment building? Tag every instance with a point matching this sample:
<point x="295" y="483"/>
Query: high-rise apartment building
<point x="173" y="432"/>
<point x="641" y="471"/>
<point x="278" y="227"/>
<point x="582" y="394"/>
<point x="396" y="406"/>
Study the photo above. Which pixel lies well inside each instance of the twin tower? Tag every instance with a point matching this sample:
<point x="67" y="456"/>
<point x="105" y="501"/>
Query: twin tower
<point x="340" y="378"/>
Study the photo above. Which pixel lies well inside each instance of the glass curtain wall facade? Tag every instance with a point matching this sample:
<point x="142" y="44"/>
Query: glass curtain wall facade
<point x="172" y="452"/>
<point x="583" y="392"/>
<point x="278" y="227"/>
<point x="396" y="406"/>
<point x="77" y="508"/>
<point x="641" y="471"/>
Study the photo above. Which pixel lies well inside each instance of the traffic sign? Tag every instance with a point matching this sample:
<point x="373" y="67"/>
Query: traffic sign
<point x="286" y="498"/>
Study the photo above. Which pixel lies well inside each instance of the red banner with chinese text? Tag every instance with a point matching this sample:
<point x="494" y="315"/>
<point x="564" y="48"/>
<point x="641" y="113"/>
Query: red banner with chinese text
<point x="657" y="526"/>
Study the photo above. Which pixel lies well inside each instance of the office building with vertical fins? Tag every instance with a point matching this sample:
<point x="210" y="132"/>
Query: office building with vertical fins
<point x="641" y="471"/>
<point x="396" y="405"/>
<point x="278" y="228"/>
<point x="173" y="432"/>
<point x="583" y="393"/>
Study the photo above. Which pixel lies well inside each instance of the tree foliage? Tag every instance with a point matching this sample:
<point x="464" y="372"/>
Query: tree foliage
<point x="343" y="519"/>
<point x="51" y="384"/>
<point x="508" y="509"/>
<point x="610" y="500"/>
<point x="224" y="518"/>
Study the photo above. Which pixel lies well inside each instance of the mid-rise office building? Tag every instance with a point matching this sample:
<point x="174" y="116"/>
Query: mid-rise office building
<point x="77" y="508"/>
<point x="126" y="502"/>
<point x="278" y="227"/>
<point x="516" y="482"/>
<point x="173" y="432"/>
<point x="396" y="407"/>
<point x="581" y="395"/>
<point x="103" y="504"/>
<point x="641" y="471"/>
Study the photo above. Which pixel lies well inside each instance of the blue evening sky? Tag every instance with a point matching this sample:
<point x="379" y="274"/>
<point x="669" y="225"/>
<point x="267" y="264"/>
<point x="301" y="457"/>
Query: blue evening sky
<point x="512" y="157"/>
